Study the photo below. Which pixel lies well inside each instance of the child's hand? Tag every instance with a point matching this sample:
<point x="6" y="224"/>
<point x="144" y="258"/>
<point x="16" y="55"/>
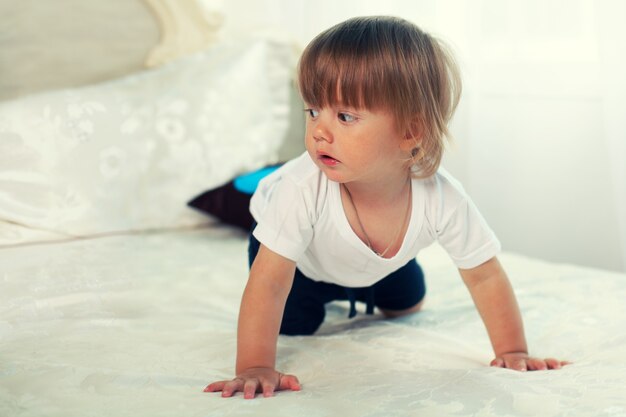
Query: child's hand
<point x="253" y="380"/>
<point x="520" y="361"/>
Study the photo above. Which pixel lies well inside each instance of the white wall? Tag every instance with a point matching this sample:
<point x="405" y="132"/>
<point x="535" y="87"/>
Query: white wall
<point x="540" y="133"/>
<point x="539" y="160"/>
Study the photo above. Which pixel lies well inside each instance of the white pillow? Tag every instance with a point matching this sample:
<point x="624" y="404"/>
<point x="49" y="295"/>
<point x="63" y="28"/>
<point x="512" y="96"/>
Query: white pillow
<point x="128" y="154"/>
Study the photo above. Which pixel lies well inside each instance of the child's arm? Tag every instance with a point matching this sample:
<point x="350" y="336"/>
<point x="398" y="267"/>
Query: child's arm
<point x="494" y="298"/>
<point x="260" y="315"/>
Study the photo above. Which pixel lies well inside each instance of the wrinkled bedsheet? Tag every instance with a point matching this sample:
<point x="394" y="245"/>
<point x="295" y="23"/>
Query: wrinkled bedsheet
<point x="137" y="325"/>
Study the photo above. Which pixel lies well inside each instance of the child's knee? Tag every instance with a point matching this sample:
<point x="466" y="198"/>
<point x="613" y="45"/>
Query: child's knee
<point x="405" y="312"/>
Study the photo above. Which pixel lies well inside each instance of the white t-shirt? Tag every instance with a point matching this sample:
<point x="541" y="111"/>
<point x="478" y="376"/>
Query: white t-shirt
<point x="300" y="216"/>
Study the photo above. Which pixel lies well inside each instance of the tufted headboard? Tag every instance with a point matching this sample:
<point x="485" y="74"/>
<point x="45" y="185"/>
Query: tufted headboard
<point x="48" y="45"/>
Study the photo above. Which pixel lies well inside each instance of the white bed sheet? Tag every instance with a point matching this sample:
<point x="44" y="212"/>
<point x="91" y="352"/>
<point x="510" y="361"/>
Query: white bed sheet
<point x="137" y="325"/>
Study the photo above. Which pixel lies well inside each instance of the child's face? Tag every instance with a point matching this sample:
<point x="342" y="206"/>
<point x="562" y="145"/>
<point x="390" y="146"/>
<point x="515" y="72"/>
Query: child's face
<point x="355" y="145"/>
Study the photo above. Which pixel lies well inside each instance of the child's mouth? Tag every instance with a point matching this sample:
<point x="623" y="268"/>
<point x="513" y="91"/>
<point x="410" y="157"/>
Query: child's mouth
<point x="328" y="160"/>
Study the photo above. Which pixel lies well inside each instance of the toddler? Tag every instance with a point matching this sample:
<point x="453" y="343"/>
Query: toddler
<point x="345" y="220"/>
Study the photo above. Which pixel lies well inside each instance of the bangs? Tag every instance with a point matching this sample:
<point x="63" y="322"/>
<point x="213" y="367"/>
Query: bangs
<point x="350" y="68"/>
<point x="334" y="80"/>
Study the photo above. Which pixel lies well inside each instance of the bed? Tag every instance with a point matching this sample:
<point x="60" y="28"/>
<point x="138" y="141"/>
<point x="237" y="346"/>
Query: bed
<point x="138" y="324"/>
<point x="116" y="299"/>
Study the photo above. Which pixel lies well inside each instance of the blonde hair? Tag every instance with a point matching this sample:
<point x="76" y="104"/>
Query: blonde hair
<point x="390" y="64"/>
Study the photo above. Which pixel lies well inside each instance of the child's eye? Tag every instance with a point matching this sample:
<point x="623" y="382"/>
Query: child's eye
<point x="345" y="117"/>
<point x="312" y="113"/>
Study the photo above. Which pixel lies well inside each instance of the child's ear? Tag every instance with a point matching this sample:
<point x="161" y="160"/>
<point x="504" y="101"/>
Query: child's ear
<point x="412" y="136"/>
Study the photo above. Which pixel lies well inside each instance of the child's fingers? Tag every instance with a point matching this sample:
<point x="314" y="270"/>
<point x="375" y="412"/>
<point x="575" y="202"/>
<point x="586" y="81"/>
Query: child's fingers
<point x="516" y="364"/>
<point x="215" y="386"/>
<point x="535" y="364"/>
<point x="227" y="387"/>
<point x="231" y="387"/>
<point x="524" y="363"/>
<point x="268" y="389"/>
<point x="249" y="388"/>
<point x="553" y="363"/>
<point x="289" y="382"/>
<point x="497" y="362"/>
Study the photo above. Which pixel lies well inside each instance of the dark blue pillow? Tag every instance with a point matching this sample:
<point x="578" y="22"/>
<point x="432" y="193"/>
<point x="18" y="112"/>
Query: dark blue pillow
<point x="230" y="203"/>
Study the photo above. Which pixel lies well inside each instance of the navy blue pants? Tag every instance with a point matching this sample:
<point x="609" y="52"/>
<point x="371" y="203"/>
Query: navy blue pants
<point x="305" y="306"/>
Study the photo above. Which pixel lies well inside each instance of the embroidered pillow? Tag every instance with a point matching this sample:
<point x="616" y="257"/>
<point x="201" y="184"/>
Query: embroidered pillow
<point x="126" y="154"/>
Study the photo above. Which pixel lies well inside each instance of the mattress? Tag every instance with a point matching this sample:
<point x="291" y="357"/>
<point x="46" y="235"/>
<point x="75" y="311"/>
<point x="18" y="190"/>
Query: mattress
<point x="138" y="324"/>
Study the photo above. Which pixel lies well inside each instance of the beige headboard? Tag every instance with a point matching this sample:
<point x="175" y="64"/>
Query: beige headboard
<point x="63" y="43"/>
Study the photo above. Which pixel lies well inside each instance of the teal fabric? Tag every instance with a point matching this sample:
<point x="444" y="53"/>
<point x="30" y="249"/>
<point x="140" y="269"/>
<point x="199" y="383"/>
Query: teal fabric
<point x="247" y="183"/>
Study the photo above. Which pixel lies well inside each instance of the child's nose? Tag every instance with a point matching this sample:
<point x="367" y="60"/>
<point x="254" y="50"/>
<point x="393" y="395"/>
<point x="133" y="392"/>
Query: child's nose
<point x="320" y="138"/>
<point x="322" y="133"/>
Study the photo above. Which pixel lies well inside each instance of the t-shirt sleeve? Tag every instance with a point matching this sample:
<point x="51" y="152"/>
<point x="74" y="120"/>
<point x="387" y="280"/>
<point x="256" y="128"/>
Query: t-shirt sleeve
<point x="460" y="228"/>
<point x="283" y="216"/>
